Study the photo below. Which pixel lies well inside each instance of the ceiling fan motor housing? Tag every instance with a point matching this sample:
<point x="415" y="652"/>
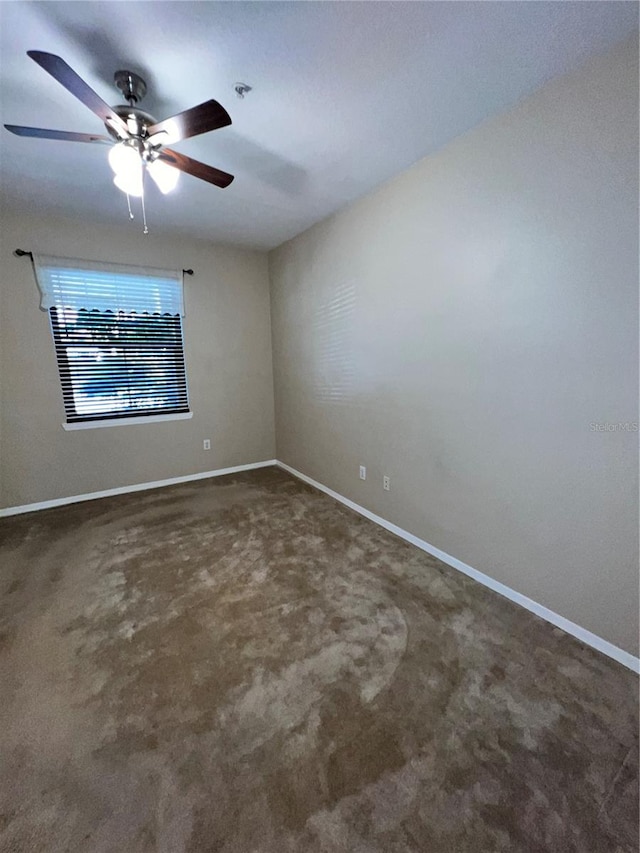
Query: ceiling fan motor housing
<point x="133" y="89"/>
<point x="137" y="121"/>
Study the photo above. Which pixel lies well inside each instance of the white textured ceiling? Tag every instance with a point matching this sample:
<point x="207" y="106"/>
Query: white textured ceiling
<point x="346" y="94"/>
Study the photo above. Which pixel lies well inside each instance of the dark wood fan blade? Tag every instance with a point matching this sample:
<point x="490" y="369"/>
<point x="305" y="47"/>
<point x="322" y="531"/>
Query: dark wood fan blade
<point x="196" y="168"/>
<point x="67" y="77"/>
<point x="201" y="119"/>
<point x="63" y="135"/>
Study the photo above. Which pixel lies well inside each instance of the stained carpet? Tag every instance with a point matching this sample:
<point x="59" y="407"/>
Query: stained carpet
<point x="243" y="664"/>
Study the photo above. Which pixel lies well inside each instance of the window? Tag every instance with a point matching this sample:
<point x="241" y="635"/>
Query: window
<point x="118" y="339"/>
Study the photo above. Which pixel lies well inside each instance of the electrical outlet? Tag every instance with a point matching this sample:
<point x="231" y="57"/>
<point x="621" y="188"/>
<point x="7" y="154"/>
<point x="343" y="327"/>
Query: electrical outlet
<point x="386" y="483"/>
<point x="206" y="444"/>
<point x="363" y="472"/>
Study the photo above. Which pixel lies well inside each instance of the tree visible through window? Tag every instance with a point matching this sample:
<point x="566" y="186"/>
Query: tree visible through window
<point x="118" y="339"/>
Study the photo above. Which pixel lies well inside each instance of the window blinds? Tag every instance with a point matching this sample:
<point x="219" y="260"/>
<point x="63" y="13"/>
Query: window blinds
<point x="93" y="286"/>
<point x="119" y="365"/>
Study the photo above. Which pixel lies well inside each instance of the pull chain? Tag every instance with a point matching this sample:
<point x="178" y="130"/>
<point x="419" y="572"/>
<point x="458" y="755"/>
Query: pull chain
<point x="145" y="230"/>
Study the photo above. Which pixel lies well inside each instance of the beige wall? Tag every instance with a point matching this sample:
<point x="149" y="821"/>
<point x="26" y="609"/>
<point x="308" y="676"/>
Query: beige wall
<point x="461" y="328"/>
<point x="228" y="357"/>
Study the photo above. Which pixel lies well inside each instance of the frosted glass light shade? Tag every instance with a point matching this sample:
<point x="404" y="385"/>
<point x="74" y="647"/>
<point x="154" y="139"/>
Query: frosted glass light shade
<point x="130" y="183"/>
<point x="165" y="176"/>
<point x="123" y="158"/>
<point x="126" y="162"/>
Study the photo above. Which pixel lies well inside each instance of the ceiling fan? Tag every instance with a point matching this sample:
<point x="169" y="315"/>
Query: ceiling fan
<point x="138" y="142"/>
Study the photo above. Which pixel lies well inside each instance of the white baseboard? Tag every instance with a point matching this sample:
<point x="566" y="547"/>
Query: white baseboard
<point x="576" y="631"/>
<point x="138" y="487"/>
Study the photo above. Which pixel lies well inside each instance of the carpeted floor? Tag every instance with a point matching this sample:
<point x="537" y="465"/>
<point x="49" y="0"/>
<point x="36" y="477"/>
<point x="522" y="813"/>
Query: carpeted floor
<point x="243" y="665"/>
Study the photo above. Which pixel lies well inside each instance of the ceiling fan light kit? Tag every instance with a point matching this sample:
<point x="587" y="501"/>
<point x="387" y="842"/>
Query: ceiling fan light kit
<point x="165" y="176"/>
<point x="137" y="140"/>
<point x="126" y="162"/>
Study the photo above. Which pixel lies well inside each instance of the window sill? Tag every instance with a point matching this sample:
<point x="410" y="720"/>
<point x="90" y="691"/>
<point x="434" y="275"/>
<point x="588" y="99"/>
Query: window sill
<point x="112" y="422"/>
